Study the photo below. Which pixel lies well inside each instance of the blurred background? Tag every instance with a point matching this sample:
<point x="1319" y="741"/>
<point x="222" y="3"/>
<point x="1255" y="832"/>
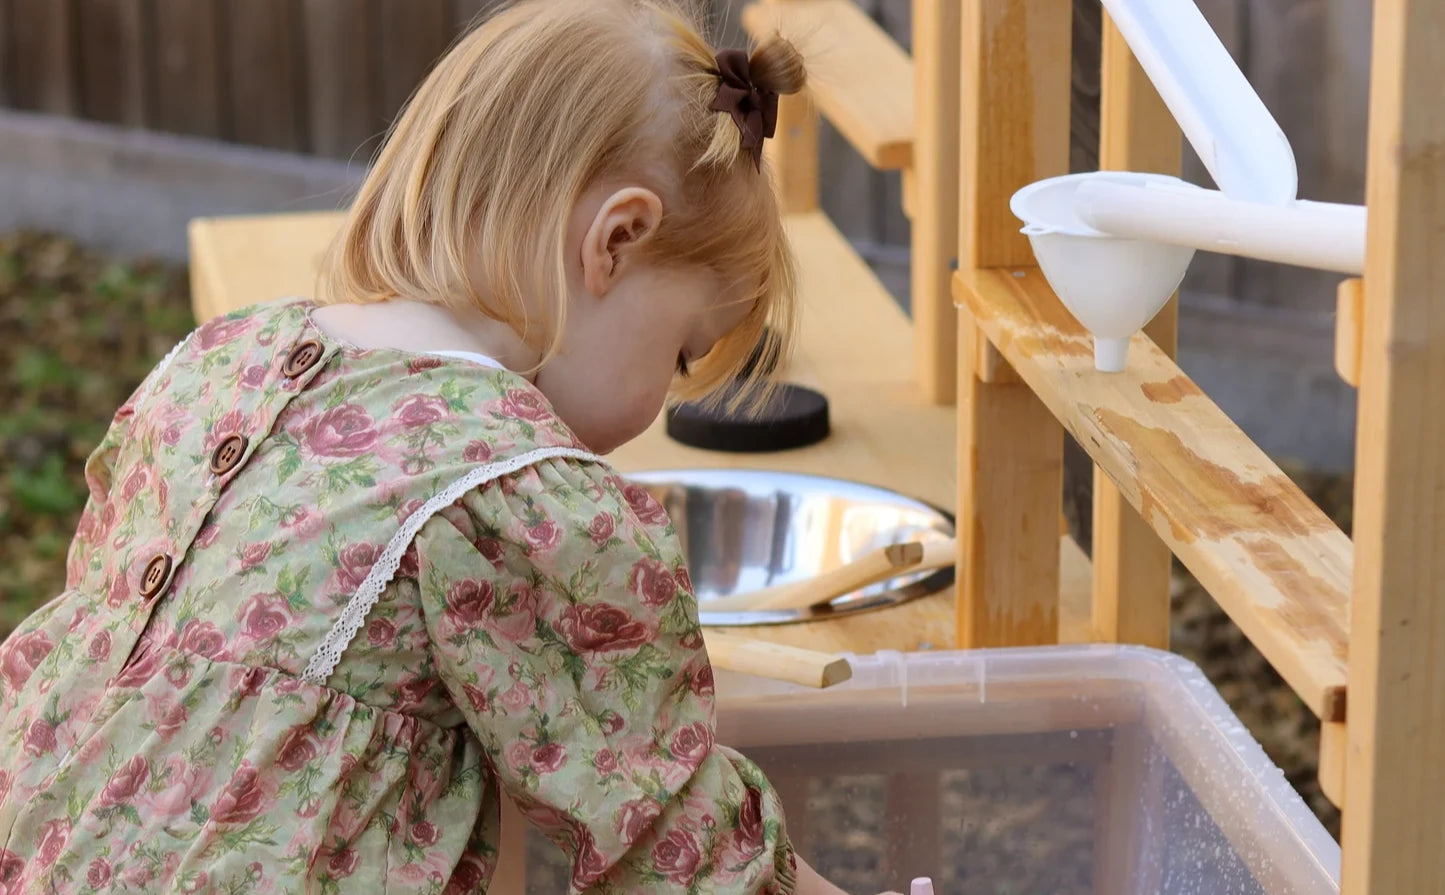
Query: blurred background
<point x="121" y="120"/>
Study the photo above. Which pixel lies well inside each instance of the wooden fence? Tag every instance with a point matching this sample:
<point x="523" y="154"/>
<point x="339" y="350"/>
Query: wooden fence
<point x="326" y="76"/>
<point x="316" y="76"/>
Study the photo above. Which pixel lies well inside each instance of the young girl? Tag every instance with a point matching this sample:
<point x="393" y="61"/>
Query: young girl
<point x="351" y="573"/>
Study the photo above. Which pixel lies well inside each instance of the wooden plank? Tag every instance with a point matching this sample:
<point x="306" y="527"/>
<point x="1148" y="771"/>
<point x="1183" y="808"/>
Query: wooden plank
<point x="6" y="86"/>
<point x="42" y="59"/>
<point x="267" y="99"/>
<point x="1349" y="326"/>
<point x="339" y="74"/>
<point x="1272" y="559"/>
<point x="1334" y="743"/>
<point x="113" y="58"/>
<point x="466" y="12"/>
<point x="187" y="53"/>
<point x="1014" y="128"/>
<point x="411" y="35"/>
<point x="792" y="156"/>
<point x="931" y="187"/>
<point x="1131" y="565"/>
<point x="858" y="75"/>
<point x="1394" y="779"/>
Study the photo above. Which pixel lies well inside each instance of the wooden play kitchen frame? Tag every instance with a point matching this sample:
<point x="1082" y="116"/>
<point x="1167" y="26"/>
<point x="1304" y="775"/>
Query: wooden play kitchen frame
<point x="981" y="110"/>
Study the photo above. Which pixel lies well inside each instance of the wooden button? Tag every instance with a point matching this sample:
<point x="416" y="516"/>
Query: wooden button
<point x="302" y="358"/>
<point x="227" y="454"/>
<point x="155" y="575"/>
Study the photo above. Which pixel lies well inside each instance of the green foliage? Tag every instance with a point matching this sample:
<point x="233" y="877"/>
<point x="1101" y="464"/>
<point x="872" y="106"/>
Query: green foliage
<point x="81" y="332"/>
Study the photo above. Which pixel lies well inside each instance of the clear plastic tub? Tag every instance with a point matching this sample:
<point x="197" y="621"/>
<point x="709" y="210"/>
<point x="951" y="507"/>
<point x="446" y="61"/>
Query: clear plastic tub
<point x="1045" y="771"/>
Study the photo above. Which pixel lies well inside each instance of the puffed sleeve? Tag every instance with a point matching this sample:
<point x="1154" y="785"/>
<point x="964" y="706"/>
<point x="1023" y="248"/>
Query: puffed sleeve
<point x="563" y="623"/>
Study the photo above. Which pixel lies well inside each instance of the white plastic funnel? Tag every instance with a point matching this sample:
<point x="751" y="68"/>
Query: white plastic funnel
<point x="1224" y="119"/>
<point x="921" y="886"/>
<point x="1112" y="286"/>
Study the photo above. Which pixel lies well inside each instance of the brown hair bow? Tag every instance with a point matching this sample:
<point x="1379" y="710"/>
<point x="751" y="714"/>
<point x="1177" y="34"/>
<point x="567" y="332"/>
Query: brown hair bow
<point x="753" y="109"/>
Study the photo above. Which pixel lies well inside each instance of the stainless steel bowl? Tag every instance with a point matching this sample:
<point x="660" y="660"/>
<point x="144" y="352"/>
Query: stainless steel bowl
<point x="747" y="529"/>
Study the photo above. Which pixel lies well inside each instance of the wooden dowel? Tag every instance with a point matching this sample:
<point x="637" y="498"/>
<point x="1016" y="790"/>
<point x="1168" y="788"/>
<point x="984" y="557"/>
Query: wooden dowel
<point x="870" y="568"/>
<point x="745" y="655"/>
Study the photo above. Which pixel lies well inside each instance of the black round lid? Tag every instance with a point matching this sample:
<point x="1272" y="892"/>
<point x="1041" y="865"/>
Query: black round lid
<point x="795" y="417"/>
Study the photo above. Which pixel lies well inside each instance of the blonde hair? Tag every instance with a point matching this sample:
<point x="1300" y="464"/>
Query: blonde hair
<point x="468" y="200"/>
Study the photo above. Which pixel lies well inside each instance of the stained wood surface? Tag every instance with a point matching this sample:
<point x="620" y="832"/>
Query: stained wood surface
<point x="114" y="60"/>
<point x="42" y="61"/>
<point x="188" y="51"/>
<point x="7" y="86"/>
<point x="1272" y="559"/>
<point x="340" y="94"/>
<point x="465" y="12"/>
<point x="266" y="109"/>
<point x="931" y="189"/>
<point x="858" y="75"/>
<point x="412" y="34"/>
<point x="1014" y="129"/>
<point x="1394" y="778"/>
<point x="1131" y="565"/>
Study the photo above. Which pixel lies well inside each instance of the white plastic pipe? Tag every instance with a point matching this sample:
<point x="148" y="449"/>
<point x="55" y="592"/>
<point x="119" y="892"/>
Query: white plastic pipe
<point x="1320" y="235"/>
<point x="1226" y="122"/>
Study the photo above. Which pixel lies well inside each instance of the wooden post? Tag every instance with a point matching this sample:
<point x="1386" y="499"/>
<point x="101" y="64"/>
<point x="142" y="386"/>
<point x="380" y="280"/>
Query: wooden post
<point x="113" y="57"/>
<point x="1014" y="127"/>
<point x="1394" y="779"/>
<point x="932" y="194"/>
<point x="1131" y="565"/>
<point x="339" y="78"/>
<point x="187" y="48"/>
<point x="793" y="152"/>
<point x="42" y="56"/>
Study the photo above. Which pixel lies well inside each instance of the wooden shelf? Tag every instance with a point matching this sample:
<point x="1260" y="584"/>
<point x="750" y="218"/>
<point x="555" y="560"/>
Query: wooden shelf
<point x="860" y="78"/>
<point x="1273" y="560"/>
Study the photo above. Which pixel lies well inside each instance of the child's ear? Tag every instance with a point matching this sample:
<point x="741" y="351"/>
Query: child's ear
<point x="626" y="221"/>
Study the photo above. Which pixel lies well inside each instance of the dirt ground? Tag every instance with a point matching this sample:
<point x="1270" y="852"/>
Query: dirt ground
<point x="81" y="331"/>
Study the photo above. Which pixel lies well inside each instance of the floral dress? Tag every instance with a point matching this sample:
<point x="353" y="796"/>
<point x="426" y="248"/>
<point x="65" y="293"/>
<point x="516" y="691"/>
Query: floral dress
<point x="327" y="605"/>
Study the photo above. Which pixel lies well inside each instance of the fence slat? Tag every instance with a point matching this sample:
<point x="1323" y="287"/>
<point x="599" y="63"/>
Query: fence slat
<point x="413" y="34"/>
<point x="266" y="94"/>
<point x="339" y="77"/>
<point x="465" y="11"/>
<point x="6" y="94"/>
<point x="42" y="62"/>
<point x="112" y="60"/>
<point x="185" y="49"/>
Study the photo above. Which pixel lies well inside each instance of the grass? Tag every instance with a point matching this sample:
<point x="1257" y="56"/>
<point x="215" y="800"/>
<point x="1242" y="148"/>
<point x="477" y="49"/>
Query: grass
<point x="80" y="332"/>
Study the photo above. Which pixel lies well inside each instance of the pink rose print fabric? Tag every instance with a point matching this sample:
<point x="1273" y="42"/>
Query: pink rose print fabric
<point x="539" y="640"/>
